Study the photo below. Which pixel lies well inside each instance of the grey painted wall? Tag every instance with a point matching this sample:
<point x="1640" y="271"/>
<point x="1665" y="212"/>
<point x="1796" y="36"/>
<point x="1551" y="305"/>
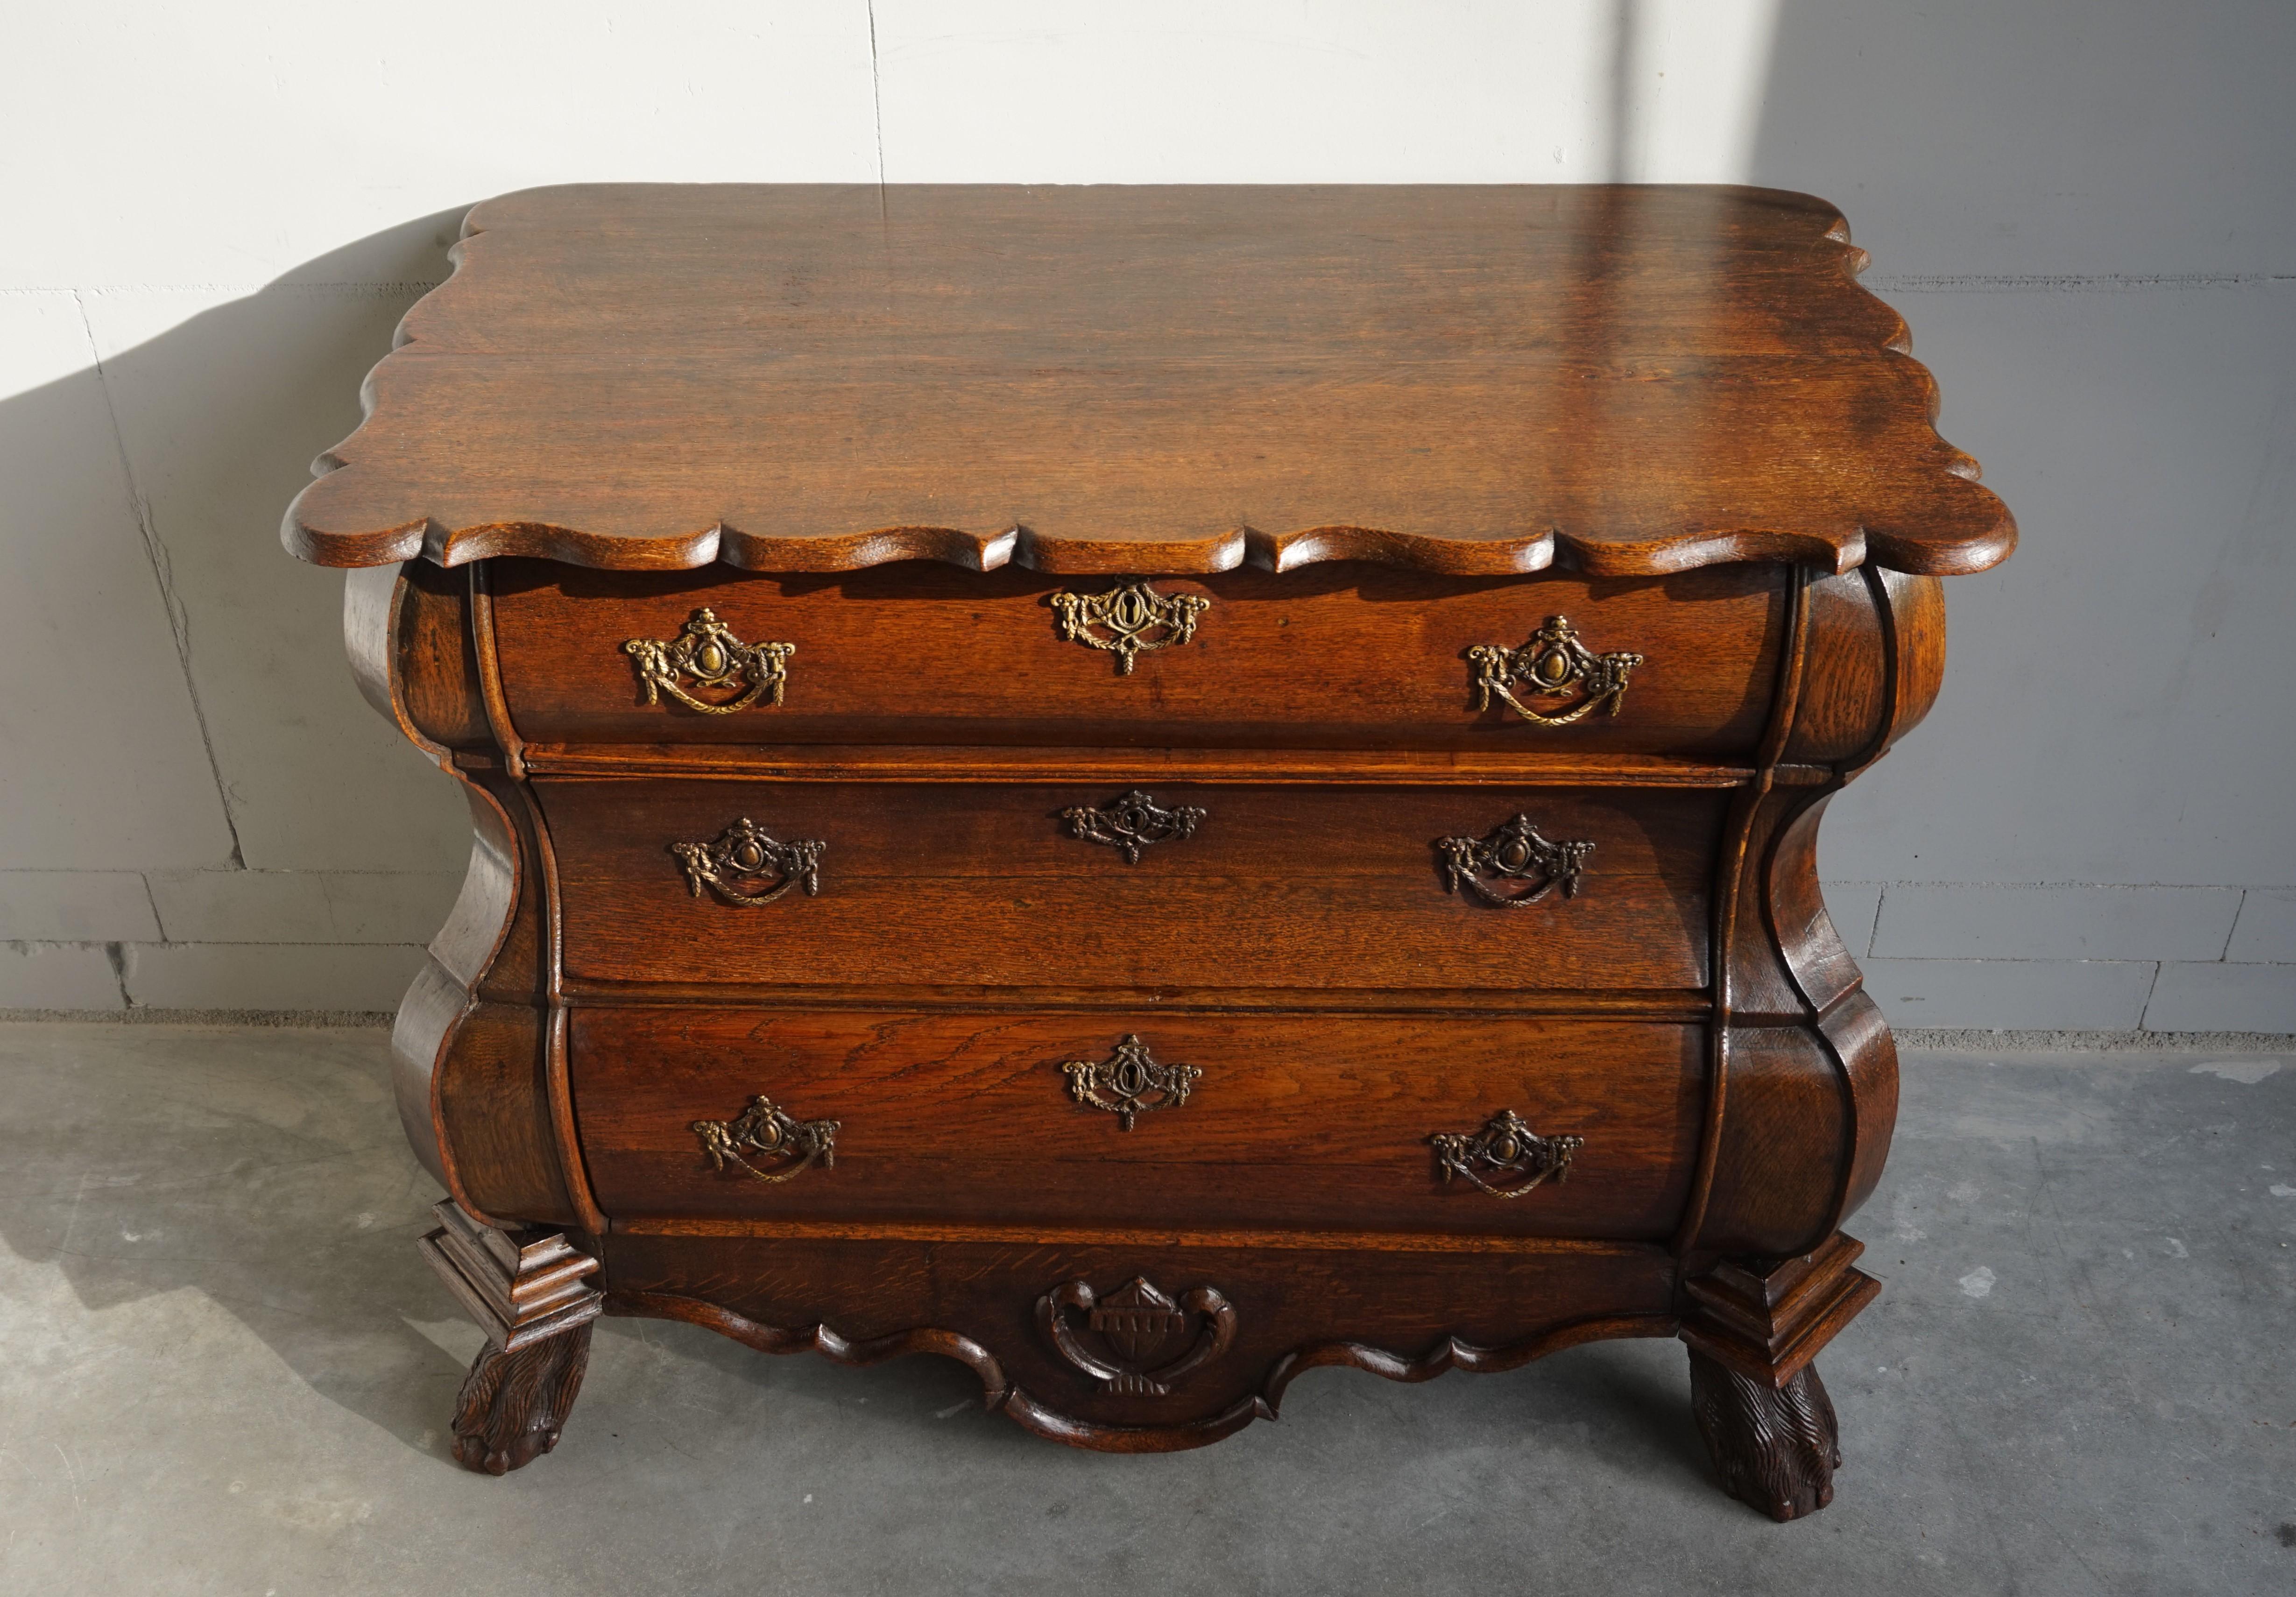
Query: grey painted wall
<point x="2084" y="210"/>
<point x="2087" y="213"/>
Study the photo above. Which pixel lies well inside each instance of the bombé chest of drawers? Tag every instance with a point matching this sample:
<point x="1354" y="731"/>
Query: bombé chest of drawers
<point x="1152" y="789"/>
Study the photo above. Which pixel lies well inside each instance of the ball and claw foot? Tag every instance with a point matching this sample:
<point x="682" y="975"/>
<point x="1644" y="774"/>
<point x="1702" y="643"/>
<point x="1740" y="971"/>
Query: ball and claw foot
<point x="513" y="1404"/>
<point x="1776" y="1448"/>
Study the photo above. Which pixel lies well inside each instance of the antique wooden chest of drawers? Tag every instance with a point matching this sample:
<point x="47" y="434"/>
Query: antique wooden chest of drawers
<point x="1152" y="789"/>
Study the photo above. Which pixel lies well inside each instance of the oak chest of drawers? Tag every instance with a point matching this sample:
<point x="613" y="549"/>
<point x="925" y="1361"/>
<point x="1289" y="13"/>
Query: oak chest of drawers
<point x="1152" y="789"/>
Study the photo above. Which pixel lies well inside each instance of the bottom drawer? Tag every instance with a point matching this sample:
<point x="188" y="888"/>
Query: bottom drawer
<point x="1235" y="1121"/>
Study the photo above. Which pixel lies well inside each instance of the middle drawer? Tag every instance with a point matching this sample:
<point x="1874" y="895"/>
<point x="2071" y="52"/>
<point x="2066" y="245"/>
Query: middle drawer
<point x="886" y="885"/>
<point x="1353" y="1122"/>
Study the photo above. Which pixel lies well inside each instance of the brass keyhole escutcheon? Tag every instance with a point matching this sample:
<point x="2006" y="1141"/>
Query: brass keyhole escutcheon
<point x="1129" y="621"/>
<point x="1129" y="1082"/>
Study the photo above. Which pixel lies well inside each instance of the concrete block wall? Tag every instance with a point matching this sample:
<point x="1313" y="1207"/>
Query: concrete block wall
<point x="2042" y="957"/>
<point x="2084" y="209"/>
<point x="2076" y="209"/>
<point x="225" y="940"/>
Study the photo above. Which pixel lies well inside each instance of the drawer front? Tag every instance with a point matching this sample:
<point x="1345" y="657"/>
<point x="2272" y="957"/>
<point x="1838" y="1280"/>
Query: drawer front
<point x="1333" y="656"/>
<point x="1286" y="1121"/>
<point x="1233" y="887"/>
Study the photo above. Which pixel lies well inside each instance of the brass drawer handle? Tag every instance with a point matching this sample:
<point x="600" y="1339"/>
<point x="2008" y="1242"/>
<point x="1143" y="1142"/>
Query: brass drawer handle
<point x="770" y="1133"/>
<point x="1513" y="851"/>
<point x="1506" y="1149"/>
<point x="745" y="866"/>
<point x="708" y="651"/>
<point x="1133" y="823"/>
<point x="1129" y="1082"/>
<point x="1129" y="615"/>
<point x="1552" y="664"/>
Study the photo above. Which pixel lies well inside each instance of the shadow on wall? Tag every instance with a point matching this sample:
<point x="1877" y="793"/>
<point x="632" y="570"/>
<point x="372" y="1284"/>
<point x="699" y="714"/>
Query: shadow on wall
<point x="180" y="697"/>
<point x="2089" y="225"/>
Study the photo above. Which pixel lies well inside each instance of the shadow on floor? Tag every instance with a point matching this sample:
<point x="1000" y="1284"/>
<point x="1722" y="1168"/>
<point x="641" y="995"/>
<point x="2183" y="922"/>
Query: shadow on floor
<point x="265" y="1171"/>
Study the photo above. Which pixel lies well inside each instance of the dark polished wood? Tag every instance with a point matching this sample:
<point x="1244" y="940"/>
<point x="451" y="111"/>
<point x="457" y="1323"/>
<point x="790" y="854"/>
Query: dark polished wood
<point x="1313" y="1300"/>
<point x="1295" y="1120"/>
<point x="980" y="884"/>
<point x="918" y="653"/>
<point x="1121" y="381"/>
<point x="1775" y="1447"/>
<point x="529" y="1292"/>
<point x="1400" y="956"/>
<point x="513" y="1404"/>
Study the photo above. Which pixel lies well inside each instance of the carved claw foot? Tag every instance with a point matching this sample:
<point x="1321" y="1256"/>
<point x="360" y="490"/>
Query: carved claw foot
<point x="1776" y="1448"/>
<point x="1772" y="1442"/>
<point x="527" y="1291"/>
<point x="513" y="1404"/>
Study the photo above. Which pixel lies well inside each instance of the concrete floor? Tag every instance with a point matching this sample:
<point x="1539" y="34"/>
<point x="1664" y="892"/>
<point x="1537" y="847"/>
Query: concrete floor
<point x="226" y="1371"/>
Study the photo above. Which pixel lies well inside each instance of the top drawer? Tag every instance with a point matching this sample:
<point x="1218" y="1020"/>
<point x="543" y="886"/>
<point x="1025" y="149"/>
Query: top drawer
<point x="1331" y="657"/>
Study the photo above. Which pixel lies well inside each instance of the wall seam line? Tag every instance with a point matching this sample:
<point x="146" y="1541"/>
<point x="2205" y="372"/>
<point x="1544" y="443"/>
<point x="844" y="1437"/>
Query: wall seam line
<point x="2232" y="930"/>
<point x="2068" y="282"/>
<point x="151" y="898"/>
<point x="155" y="551"/>
<point x="2152" y="989"/>
<point x="877" y="111"/>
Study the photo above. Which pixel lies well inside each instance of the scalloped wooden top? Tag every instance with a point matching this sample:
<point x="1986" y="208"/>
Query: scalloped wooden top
<point x="1474" y="381"/>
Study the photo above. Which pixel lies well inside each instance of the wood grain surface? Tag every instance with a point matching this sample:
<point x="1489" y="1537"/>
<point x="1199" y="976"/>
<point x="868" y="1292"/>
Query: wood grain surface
<point x="1341" y="655"/>
<point x="983" y="886"/>
<point x="1406" y="1315"/>
<point x="1107" y="380"/>
<point x="1296" y="1121"/>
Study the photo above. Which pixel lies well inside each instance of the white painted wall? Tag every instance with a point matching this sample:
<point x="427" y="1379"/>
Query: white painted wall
<point x="2083" y="208"/>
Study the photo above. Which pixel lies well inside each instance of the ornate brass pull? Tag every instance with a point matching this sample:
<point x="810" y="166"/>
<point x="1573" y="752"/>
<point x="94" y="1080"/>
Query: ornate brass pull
<point x="1136" y="1324"/>
<point x="1129" y="1081"/>
<point x="1129" y="615"/>
<point x="1508" y="1149"/>
<point x="744" y="855"/>
<point x="1554" y="664"/>
<point x="773" y="1133"/>
<point x="1514" y="850"/>
<point x="708" y="651"/>
<point x="1133" y="823"/>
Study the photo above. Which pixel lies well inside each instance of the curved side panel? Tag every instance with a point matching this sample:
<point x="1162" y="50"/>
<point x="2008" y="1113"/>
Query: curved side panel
<point x="1809" y="951"/>
<point x="484" y="910"/>
<point x="372" y="596"/>
<point x="489" y="1082"/>
<point x="467" y="1057"/>
<point x="1777" y="1171"/>
<point x="1845" y="688"/>
<point x="1861" y="1040"/>
<point x="439" y="667"/>
<point x="1912" y="607"/>
<point x="427" y="1018"/>
<point x="1813" y="1069"/>
<point x="493" y="1102"/>
<point x="407" y="634"/>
